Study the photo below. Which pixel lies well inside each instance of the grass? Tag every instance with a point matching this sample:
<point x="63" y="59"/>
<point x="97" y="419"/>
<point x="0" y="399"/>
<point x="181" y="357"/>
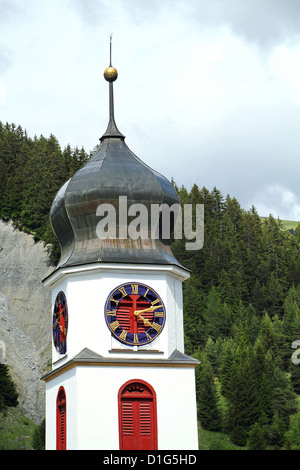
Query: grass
<point x="211" y="440"/>
<point x="16" y="430"/>
<point x="287" y="224"/>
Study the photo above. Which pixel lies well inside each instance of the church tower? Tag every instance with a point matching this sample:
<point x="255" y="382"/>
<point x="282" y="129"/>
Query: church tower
<point x="120" y="378"/>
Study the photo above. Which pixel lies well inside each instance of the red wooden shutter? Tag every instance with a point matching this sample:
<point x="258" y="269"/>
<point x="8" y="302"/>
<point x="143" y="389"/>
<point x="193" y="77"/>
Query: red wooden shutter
<point x="127" y="418"/>
<point x="137" y="417"/>
<point x="125" y="314"/>
<point x="61" y="420"/>
<point x="145" y="419"/>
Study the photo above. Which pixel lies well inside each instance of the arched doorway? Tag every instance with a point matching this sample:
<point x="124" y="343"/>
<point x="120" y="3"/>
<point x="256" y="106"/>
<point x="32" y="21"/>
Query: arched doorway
<point x="137" y="416"/>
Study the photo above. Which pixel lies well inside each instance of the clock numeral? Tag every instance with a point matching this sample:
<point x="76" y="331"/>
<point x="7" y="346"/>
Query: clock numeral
<point x="111" y="299"/>
<point x="155" y="302"/>
<point x="145" y="295"/>
<point x="114" y="325"/>
<point x="159" y="314"/>
<point x="123" y="335"/>
<point x="148" y="337"/>
<point x="134" y="288"/>
<point x="156" y="327"/>
<point x="135" y="338"/>
<point x="123" y="291"/>
<point x="110" y="312"/>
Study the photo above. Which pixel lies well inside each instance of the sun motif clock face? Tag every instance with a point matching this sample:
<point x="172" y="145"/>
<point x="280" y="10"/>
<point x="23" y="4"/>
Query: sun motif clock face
<point x="135" y="314"/>
<point x="60" y="323"/>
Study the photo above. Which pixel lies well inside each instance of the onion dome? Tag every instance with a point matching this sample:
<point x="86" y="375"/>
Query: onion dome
<point x="114" y="175"/>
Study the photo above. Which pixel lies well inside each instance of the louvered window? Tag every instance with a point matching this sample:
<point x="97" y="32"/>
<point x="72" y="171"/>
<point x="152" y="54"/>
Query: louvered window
<point x="127" y="418"/>
<point x="125" y="313"/>
<point x="137" y="416"/>
<point x="145" y="419"/>
<point x="61" y="420"/>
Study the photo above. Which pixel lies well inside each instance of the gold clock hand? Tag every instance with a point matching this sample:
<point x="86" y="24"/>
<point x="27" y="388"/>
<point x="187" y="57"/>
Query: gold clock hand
<point x="154" y="325"/>
<point x="63" y="330"/>
<point x="137" y="314"/>
<point x="149" y="309"/>
<point x="57" y="320"/>
<point x="154" y="307"/>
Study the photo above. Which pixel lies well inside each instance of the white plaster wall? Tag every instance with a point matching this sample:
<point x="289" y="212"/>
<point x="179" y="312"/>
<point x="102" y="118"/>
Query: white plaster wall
<point x="69" y="381"/>
<point x="92" y="395"/>
<point x="86" y="294"/>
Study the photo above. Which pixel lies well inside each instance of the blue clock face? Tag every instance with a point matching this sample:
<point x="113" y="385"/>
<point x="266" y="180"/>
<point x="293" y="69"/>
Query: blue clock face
<point x="135" y="314"/>
<point x="60" y="323"/>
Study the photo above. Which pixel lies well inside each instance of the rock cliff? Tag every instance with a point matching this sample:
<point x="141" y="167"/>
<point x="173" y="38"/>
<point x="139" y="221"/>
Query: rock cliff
<point x="25" y="316"/>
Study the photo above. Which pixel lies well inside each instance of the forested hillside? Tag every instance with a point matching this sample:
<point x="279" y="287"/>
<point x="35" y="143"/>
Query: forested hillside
<point x="241" y="303"/>
<point x="242" y="314"/>
<point x="32" y="170"/>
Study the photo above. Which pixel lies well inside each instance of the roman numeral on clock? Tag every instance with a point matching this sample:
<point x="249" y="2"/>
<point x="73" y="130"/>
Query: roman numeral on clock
<point x="156" y="327"/>
<point x="114" y="325"/>
<point x="134" y="288"/>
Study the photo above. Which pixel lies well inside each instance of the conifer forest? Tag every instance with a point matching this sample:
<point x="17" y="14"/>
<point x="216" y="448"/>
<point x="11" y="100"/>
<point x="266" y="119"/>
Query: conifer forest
<point x="241" y="302"/>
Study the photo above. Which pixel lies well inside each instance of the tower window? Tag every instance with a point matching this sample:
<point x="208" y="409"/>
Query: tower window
<point x="61" y="419"/>
<point x="137" y="416"/>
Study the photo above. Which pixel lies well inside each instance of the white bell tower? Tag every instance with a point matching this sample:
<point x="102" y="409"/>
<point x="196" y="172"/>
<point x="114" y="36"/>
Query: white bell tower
<point x="120" y="379"/>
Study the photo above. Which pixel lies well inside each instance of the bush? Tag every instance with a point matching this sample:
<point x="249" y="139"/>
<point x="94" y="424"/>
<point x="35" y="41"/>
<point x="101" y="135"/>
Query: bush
<point x="8" y="391"/>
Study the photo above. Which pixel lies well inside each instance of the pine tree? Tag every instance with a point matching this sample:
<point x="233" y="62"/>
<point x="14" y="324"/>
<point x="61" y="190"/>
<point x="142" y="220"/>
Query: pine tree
<point x="263" y="369"/>
<point x="293" y="434"/>
<point x="38" y="438"/>
<point x="207" y="397"/>
<point x="218" y="316"/>
<point x="243" y="391"/>
<point x="276" y="433"/>
<point x="227" y="360"/>
<point x="273" y="296"/>
<point x="284" y="399"/>
<point x="256" y="439"/>
<point x="8" y="391"/>
<point x="291" y="324"/>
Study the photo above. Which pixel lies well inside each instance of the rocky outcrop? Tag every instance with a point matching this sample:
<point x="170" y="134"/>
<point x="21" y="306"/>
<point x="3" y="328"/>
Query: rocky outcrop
<point x="25" y="316"/>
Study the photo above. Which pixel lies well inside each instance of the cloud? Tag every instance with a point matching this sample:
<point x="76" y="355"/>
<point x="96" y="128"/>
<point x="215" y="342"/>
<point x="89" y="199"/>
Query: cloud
<point x="90" y="11"/>
<point x="5" y="59"/>
<point x="208" y="92"/>
<point x="10" y="10"/>
<point x="266" y="23"/>
<point x="279" y="197"/>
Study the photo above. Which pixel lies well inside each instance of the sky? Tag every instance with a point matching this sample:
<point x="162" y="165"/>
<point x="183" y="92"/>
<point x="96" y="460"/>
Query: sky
<point x="208" y="91"/>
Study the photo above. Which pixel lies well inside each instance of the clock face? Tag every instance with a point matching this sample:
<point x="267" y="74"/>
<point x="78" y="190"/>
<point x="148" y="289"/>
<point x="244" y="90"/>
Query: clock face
<point x="60" y="323"/>
<point x="135" y="314"/>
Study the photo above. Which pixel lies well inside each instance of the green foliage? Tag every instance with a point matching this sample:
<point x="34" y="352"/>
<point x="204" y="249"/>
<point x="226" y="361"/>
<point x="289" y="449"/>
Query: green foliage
<point x="241" y="303"/>
<point x="16" y="430"/>
<point x="241" y="311"/>
<point x="38" y="438"/>
<point x="8" y="391"/>
<point x="256" y="439"/>
<point x="293" y="434"/>
<point x="31" y="173"/>
<point x="207" y="397"/>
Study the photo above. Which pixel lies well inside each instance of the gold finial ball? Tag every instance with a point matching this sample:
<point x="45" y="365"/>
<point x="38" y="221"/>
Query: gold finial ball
<point x="110" y="74"/>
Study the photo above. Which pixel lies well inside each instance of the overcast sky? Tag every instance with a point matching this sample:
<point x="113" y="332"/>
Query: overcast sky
<point x="208" y="90"/>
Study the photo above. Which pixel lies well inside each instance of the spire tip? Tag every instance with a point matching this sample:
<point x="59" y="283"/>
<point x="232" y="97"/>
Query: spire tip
<point x="110" y="73"/>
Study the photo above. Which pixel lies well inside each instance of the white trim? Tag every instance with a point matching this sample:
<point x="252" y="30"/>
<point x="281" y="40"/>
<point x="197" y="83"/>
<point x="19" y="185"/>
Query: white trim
<point x="57" y="276"/>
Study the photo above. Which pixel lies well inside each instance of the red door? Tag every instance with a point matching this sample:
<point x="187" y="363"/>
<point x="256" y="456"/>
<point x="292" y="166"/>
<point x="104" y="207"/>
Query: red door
<point x="137" y="417"/>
